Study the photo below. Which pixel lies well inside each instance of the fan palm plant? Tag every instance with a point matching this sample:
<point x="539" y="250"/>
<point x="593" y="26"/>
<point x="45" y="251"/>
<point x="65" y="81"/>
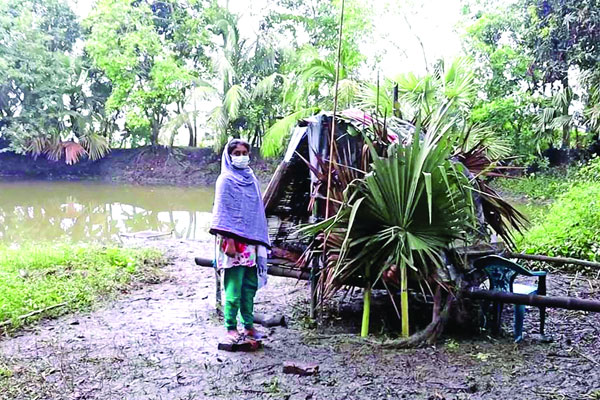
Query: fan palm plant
<point x="405" y="212"/>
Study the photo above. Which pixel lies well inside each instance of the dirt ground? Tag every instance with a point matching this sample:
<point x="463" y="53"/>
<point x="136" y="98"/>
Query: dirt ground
<point x="160" y="342"/>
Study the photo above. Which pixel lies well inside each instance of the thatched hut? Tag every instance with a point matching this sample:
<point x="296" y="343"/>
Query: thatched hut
<point x="308" y="187"/>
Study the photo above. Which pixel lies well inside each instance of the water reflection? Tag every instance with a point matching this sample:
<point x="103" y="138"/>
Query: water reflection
<point x="78" y="211"/>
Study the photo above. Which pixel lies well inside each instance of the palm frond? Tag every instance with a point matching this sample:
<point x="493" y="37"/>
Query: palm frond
<point x="54" y="149"/>
<point x="319" y="69"/>
<point x="458" y="82"/>
<point x="37" y="146"/>
<point x="73" y="152"/>
<point x="235" y="97"/>
<point x="478" y="135"/>
<point x="276" y="136"/>
<point x="369" y="100"/>
<point x="95" y="145"/>
<point x="347" y="92"/>
<point x="267" y="85"/>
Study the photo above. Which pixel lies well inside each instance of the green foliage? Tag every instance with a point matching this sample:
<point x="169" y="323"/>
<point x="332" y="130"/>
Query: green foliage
<point x="249" y="77"/>
<point x="412" y="205"/>
<point x="493" y="41"/>
<point x="589" y="172"/>
<point x="524" y="51"/>
<point x="570" y="228"/>
<point x="310" y="68"/>
<point x="550" y="184"/>
<point x="538" y="186"/>
<point x="138" y="45"/>
<point x="49" y="96"/>
<point x="511" y="118"/>
<point x="36" y="276"/>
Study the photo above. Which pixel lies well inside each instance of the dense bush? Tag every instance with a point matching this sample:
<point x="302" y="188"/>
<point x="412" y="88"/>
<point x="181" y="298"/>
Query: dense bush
<point x="549" y="184"/>
<point x="571" y="227"/>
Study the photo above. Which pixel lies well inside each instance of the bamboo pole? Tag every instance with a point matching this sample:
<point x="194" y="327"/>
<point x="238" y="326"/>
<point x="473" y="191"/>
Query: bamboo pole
<point x="569" y="303"/>
<point x="335" y="105"/>
<point x="552" y="260"/>
<point x="404" y="299"/>
<point x="364" y="329"/>
<point x="332" y="137"/>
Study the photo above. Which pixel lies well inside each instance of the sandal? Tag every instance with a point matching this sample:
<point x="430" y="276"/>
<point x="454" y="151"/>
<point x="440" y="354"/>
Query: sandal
<point x="254" y="334"/>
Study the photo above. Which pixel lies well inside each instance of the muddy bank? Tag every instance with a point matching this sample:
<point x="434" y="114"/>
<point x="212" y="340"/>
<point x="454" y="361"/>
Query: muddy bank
<point x="160" y="342"/>
<point x="145" y="165"/>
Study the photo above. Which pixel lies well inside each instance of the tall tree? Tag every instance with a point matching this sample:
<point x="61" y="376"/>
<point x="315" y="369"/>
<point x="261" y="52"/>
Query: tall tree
<point x="494" y="39"/>
<point x="562" y="35"/>
<point x="49" y="100"/>
<point x="136" y="45"/>
<point x="246" y="78"/>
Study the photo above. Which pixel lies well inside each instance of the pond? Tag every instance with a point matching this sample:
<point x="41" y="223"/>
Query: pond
<point x="92" y="211"/>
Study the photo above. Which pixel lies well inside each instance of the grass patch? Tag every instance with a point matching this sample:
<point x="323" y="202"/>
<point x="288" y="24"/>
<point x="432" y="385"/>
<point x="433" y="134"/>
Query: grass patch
<point x="35" y="278"/>
<point x="551" y="184"/>
<point x="538" y="187"/>
<point x="571" y="227"/>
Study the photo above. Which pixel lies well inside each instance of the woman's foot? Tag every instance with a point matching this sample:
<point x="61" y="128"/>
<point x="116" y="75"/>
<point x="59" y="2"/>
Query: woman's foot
<point x="253" y="334"/>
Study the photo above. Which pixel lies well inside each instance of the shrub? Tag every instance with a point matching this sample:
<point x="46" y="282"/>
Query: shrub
<point x="590" y="172"/>
<point x="571" y="227"/>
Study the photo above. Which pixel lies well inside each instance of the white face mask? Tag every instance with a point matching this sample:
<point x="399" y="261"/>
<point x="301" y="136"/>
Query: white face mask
<point x="240" y="162"/>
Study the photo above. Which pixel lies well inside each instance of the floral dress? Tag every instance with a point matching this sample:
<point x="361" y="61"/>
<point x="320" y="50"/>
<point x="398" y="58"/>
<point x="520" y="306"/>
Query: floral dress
<point x="245" y="254"/>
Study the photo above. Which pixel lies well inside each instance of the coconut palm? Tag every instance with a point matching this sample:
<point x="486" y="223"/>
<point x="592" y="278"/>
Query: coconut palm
<point x="246" y="74"/>
<point x="556" y="118"/>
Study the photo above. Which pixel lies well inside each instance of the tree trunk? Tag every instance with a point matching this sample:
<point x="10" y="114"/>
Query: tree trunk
<point x="566" y="136"/>
<point x="432" y="331"/>
<point x="364" y="330"/>
<point x="154" y="134"/>
<point x="192" y="141"/>
<point x="404" y="299"/>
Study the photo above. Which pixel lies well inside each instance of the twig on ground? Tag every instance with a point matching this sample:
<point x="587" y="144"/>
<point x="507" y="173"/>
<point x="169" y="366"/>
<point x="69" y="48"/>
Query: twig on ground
<point x="31" y="314"/>
<point x="254" y="370"/>
<point x="590" y="359"/>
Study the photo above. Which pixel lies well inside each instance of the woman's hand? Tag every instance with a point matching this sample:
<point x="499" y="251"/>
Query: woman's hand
<point x="230" y="250"/>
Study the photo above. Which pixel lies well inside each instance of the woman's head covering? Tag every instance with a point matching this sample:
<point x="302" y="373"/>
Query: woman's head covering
<point x="243" y="176"/>
<point x="238" y="210"/>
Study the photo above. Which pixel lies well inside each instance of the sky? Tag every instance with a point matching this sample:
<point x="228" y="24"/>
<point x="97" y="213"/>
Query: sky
<point x="394" y="44"/>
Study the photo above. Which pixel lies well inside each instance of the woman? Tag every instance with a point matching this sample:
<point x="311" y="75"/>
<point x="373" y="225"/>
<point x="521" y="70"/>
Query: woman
<point x="240" y="224"/>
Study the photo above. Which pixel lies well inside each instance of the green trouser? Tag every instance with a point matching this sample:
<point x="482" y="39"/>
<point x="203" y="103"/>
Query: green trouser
<point x="240" y="283"/>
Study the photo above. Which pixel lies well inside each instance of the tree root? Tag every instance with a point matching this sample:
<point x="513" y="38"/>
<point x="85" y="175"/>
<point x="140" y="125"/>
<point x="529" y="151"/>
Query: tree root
<point x="430" y="334"/>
